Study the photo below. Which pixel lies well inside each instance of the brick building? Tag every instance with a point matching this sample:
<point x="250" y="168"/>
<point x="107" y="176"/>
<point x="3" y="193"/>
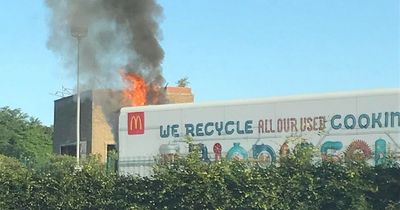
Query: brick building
<point x="99" y="120"/>
<point x="179" y="95"/>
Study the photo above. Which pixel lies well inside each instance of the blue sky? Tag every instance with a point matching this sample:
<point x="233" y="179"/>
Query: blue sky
<point x="228" y="49"/>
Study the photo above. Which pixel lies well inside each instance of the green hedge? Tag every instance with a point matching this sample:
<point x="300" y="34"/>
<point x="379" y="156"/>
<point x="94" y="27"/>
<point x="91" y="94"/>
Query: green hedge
<point x="296" y="182"/>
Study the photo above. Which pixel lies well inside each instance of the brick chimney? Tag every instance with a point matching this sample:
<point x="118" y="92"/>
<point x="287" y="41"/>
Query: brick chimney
<point x="179" y="95"/>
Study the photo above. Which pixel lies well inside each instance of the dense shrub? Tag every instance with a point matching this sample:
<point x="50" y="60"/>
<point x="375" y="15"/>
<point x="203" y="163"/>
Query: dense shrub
<point x="14" y="183"/>
<point x="295" y="182"/>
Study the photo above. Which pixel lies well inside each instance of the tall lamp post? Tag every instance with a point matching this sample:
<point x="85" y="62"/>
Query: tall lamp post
<point x="78" y="33"/>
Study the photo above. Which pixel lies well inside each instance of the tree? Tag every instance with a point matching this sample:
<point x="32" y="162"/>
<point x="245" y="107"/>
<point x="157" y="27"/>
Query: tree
<point x="23" y="137"/>
<point x="183" y="82"/>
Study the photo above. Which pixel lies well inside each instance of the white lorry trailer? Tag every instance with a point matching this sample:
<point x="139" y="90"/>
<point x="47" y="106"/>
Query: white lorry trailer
<point x="341" y="125"/>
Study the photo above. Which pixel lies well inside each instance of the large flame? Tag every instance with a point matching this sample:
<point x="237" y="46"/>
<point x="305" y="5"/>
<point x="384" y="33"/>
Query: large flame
<point x="136" y="92"/>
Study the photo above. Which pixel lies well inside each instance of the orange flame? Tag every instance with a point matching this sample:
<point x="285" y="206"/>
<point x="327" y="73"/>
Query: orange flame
<point x="136" y="92"/>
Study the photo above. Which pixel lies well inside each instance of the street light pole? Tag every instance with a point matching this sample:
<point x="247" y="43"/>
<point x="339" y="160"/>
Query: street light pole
<point x="78" y="33"/>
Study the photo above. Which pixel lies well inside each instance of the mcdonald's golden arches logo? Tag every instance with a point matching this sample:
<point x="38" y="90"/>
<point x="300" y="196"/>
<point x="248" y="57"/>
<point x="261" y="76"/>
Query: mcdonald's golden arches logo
<point x="135" y="123"/>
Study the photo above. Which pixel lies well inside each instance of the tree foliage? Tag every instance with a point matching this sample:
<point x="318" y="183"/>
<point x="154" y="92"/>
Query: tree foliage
<point x="184" y="82"/>
<point x="24" y="137"/>
<point x="295" y="182"/>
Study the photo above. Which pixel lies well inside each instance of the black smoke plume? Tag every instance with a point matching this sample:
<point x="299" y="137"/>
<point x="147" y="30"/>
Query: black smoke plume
<point x="120" y="34"/>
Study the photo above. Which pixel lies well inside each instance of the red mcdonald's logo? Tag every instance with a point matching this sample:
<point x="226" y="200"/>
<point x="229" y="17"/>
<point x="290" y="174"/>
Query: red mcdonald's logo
<point x="135" y="123"/>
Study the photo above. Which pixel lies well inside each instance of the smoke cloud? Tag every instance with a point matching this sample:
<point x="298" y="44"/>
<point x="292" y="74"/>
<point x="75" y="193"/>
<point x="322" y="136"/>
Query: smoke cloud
<point x="120" y="34"/>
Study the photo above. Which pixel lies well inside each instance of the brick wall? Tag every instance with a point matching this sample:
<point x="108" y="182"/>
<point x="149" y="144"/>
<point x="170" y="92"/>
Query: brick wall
<point x="179" y="95"/>
<point x="99" y="118"/>
<point x="106" y="106"/>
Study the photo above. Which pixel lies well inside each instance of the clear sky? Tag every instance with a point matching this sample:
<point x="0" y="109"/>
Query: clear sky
<point x="229" y="49"/>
